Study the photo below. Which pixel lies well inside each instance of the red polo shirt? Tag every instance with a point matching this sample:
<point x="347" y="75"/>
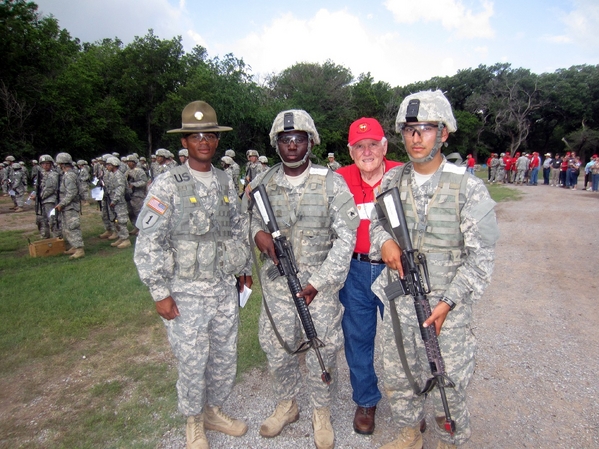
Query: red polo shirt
<point x="363" y="194"/>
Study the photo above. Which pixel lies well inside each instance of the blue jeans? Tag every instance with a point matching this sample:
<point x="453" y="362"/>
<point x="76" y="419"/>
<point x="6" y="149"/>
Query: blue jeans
<point x="534" y="176"/>
<point x="595" y="179"/>
<point x="359" y="330"/>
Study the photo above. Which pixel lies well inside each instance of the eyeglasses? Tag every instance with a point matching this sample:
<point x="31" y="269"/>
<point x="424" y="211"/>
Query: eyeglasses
<point x="425" y="128"/>
<point x="208" y="137"/>
<point x="298" y="140"/>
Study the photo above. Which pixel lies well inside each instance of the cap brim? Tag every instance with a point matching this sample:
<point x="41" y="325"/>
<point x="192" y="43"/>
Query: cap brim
<point x="200" y="129"/>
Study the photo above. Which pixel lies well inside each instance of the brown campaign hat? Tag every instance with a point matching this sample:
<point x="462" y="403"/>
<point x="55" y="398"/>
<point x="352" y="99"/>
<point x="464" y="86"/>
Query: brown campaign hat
<point x="199" y="117"/>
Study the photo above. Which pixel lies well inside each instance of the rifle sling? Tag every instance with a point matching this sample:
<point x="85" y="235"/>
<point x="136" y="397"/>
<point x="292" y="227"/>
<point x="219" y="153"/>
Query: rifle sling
<point x="282" y="342"/>
<point x="399" y="342"/>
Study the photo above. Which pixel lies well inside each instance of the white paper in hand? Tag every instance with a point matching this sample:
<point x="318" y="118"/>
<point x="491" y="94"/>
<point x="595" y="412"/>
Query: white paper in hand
<point x="244" y="295"/>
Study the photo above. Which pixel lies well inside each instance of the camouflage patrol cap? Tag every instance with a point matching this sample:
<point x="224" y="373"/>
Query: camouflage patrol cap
<point x="184" y="152"/>
<point x="162" y="152"/>
<point x="81" y="162"/>
<point x="249" y="153"/>
<point x="428" y="106"/>
<point x="230" y="153"/>
<point x="199" y="117"/>
<point x="64" y="158"/>
<point x="46" y="158"/>
<point x="227" y="160"/>
<point x="113" y="160"/>
<point x="10" y="158"/>
<point x="293" y="119"/>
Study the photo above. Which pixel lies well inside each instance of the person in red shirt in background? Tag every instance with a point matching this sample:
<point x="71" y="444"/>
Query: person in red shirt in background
<point x="489" y="159"/>
<point x="514" y="169"/>
<point x="564" y="170"/>
<point x="535" y="165"/>
<point x="508" y="161"/>
<point x="367" y="148"/>
<point x="470" y="163"/>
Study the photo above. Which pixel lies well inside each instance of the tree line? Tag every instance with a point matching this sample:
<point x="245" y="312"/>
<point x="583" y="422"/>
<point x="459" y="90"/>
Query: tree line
<point x="59" y="94"/>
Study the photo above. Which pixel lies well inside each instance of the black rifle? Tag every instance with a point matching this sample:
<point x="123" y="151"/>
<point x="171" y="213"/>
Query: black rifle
<point x="38" y="194"/>
<point x="287" y="267"/>
<point x="391" y="214"/>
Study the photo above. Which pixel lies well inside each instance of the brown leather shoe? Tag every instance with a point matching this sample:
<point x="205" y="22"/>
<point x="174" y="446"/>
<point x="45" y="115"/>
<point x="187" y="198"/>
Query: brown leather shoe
<point x="364" y="420"/>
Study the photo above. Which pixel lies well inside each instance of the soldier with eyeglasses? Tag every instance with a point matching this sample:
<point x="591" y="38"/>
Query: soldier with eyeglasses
<point x="451" y="220"/>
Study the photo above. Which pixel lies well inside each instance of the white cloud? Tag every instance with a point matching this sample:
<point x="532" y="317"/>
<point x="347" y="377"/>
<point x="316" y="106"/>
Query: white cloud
<point x="452" y="14"/>
<point x="582" y="23"/>
<point x="340" y="37"/>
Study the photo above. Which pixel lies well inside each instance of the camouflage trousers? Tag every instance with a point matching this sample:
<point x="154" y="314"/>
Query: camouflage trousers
<point x="107" y="216"/>
<point x="47" y="226"/>
<point x="204" y="341"/>
<point x="121" y="218"/>
<point x="458" y="347"/>
<point x="18" y="198"/>
<point x="284" y="368"/>
<point x="520" y="175"/>
<point x="71" y="228"/>
<point x="133" y="208"/>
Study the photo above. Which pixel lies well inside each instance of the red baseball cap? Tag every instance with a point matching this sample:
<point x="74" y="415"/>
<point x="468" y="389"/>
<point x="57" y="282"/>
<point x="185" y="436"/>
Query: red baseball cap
<point x="365" y="128"/>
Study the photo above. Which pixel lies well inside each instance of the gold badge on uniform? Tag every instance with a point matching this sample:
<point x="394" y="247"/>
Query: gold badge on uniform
<point x="193" y="200"/>
<point x="226" y="198"/>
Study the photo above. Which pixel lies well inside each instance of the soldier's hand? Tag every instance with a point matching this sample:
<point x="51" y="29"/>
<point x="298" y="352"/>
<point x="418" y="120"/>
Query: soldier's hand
<point x="112" y="205"/>
<point x="243" y="281"/>
<point x="391" y="255"/>
<point x="58" y="208"/>
<point x="308" y="293"/>
<point x="438" y="316"/>
<point x="167" y="308"/>
<point x="266" y="245"/>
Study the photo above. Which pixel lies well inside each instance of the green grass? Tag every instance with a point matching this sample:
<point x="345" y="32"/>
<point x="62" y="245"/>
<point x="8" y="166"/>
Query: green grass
<point x="499" y="192"/>
<point x="85" y="362"/>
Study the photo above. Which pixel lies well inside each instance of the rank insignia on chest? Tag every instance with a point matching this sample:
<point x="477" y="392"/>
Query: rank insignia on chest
<point x="226" y="198"/>
<point x="193" y="200"/>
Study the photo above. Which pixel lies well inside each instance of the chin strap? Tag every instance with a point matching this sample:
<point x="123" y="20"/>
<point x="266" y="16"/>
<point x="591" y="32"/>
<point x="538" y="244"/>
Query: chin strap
<point x="434" y="151"/>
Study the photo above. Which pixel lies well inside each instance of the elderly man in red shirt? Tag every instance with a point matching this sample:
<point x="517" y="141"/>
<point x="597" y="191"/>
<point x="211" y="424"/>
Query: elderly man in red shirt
<point x="367" y="148"/>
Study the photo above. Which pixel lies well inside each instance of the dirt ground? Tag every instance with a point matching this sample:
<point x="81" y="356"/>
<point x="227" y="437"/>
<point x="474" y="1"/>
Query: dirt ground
<point x="535" y="384"/>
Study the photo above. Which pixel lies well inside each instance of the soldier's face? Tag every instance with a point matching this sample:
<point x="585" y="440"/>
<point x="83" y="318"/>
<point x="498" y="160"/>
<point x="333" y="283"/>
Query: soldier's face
<point x="293" y="145"/>
<point x="201" y="146"/>
<point x="420" y="143"/>
<point x="46" y="166"/>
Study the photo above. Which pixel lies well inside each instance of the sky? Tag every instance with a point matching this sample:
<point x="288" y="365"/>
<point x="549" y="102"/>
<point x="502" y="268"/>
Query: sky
<point x="397" y="41"/>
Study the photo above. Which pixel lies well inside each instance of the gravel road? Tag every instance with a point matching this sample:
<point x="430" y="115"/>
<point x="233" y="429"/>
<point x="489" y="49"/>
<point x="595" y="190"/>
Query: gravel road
<point x="538" y="335"/>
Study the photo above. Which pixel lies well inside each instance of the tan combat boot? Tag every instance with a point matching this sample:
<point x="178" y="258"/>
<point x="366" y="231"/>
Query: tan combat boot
<point x="79" y="252"/>
<point x="116" y="242"/>
<point x="105" y="234"/>
<point x="409" y="438"/>
<point x="19" y="209"/>
<point x="113" y="236"/>
<point x="196" y="438"/>
<point x="285" y="413"/>
<point x="124" y="244"/>
<point x="216" y="419"/>
<point x="70" y="251"/>
<point x="443" y="445"/>
<point x="324" y="437"/>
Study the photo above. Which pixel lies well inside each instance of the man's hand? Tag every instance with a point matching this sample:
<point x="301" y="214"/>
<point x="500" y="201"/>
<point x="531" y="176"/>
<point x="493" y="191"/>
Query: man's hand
<point x="244" y="281"/>
<point x="391" y="255"/>
<point x="308" y="293"/>
<point x="438" y="316"/>
<point x="167" y="308"/>
<point x="266" y="245"/>
<point x="58" y="208"/>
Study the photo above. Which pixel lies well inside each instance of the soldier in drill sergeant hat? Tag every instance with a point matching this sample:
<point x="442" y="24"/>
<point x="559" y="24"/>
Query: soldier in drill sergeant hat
<point x="451" y="220"/>
<point x="192" y="243"/>
<point x="317" y="214"/>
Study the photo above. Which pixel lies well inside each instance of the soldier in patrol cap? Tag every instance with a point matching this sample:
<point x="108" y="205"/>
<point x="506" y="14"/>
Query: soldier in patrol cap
<point x="333" y="164"/>
<point x="319" y="217"/>
<point x="451" y="219"/>
<point x="192" y="243"/>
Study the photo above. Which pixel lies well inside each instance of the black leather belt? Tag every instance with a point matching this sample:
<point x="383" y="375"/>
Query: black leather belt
<point x="364" y="258"/>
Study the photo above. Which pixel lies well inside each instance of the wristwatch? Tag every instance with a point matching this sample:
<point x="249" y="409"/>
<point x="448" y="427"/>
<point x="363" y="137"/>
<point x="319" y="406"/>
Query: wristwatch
<point x="449" y="302"/>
